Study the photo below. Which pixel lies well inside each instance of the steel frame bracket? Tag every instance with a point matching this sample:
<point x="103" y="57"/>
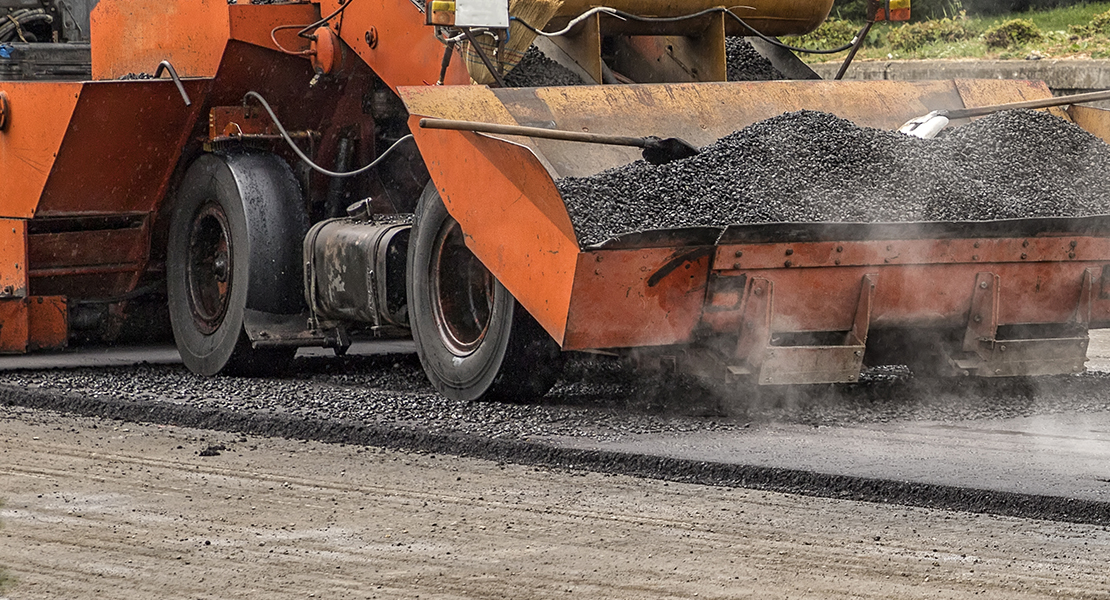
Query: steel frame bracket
<point x="776" y="364"/>
<point x="987" y="356"/>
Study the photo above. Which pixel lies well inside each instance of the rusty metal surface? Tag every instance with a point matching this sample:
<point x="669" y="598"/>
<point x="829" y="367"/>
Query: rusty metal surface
<point x="1094" y="120"/>
<point x="133" y="36"/>
<point x="87" y="264"/>
<point x="56" y="159"/>
<point x="514" y="220"/>
<point x="13" y="258"/>
<point x="699" y="55"/>
<point x="38" y="117"/>
<point x="33" y="323"/>
<point x="392" y="38"/>
<point x="627" y="298"/>
<point x="348" y="265"/>
<point x="149" y="126"/>
<point x="923" y="274"/>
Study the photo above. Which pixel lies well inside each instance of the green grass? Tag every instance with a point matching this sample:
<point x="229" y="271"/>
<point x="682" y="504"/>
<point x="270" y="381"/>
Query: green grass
<point x="1054" y="25"/>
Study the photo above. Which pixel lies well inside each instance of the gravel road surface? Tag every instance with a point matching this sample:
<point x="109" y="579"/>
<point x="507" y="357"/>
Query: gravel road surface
<point x="100" y="509"/>
<point x="1030" y="449"/>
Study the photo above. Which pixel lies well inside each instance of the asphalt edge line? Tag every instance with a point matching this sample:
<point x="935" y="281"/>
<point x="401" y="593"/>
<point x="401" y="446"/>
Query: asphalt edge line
<point x="524" y="452"/>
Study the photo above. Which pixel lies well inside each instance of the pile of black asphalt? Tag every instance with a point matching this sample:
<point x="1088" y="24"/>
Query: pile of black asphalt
<point x="808" y="166"/>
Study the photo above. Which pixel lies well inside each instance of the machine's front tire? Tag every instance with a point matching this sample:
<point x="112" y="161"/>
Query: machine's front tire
<point x="234" y="244"/>
<point x="474" y="341"/>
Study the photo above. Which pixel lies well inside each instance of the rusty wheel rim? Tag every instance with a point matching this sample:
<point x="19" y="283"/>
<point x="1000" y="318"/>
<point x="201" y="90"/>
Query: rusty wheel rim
<point x="462" y="292"/>
<point x="209" y="267"/>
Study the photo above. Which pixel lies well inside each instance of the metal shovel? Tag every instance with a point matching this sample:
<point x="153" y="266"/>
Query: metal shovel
<point x="657" y="151"/>
<point x="928" y="126"/>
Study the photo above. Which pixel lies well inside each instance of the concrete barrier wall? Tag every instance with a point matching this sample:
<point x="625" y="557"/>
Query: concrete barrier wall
<point x="1063" y="76"/>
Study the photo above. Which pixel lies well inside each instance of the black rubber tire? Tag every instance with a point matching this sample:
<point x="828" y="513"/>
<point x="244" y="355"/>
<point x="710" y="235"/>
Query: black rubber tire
<point x="512" y="360"/>
<point x="247" y="209"/>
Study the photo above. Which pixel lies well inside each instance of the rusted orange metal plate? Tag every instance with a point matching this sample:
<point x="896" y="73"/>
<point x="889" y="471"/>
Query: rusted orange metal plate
<point x="252" y="23"/>
<point x="48" y="323"/>
<point x="628" y="298"/>
<point x="16" y="331"/>
<point x="391" y="37"/>
<point x="105" y="136"/>
<point x="1094" y="120"/>
<point x="13" y="258"/>
<point x="926" y="295"/>
<point x="920" y="283"/>
<point x="68" y="252"/>
<point x="63" y="150"/>
<point x="988" y="92"/>
<point x="133" y="36"/>
<point x="39" y="116"/>
<point x="37" y="323"/>
<point x="512" y="215"/>
<point x="612" y="304"/>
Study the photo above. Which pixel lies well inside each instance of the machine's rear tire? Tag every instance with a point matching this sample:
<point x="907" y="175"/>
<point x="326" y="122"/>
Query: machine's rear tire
<point x="474" y="341"/>
<point x="234" y="244"/>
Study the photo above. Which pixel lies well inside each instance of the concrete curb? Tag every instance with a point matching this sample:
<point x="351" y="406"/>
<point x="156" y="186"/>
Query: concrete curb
<point x="1063" y="76"/>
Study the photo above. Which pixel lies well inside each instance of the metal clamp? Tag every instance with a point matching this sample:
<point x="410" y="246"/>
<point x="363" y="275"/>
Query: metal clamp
<point x="166" y="66"/>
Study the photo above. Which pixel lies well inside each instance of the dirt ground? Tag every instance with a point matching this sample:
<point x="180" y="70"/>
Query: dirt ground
<point x="105" y="509"/>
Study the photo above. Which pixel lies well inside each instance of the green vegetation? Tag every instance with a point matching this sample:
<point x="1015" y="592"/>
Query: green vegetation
<point x="1012" y="33"/>
<point x="912" y="36"/>
<point x="1076" y="31"/>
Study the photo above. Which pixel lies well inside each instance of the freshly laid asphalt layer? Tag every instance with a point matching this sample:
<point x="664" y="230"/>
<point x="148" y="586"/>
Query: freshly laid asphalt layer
<point x="1035" y="449"/>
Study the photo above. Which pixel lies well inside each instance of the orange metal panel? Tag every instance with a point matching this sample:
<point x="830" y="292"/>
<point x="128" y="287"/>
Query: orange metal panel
<point x="927" y="295"/>
<point x="70" y="250"/>
<point x="122" y="145"/>
<point x="13" y="258"/>
<point x="36" y="323"/>
<point x="391" y="37"/>
<point x="15" y="326"/>
<point x="39" y="114"/>
<point x="644" y="297"/>
<point x="133" y="36"/>
<point x="49" y="323"/>
<point x="252" y="23"/>
<point x="1094" y="120"/>
<point x="514" y="220"/>
<point x="912" y="252"/>
<point x="920" y="282"/>
<point x="703" y="112"/>
<point x="987" y="92"/>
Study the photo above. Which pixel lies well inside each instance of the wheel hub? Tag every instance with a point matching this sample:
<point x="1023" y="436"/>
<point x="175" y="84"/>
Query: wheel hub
<point x="462" y="292"/>
<point x="209" y="267"/>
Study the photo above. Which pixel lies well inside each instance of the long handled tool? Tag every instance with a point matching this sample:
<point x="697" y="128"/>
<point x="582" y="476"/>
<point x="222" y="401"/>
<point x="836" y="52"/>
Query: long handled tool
<point x="657" y="151"/>
<point x="928" y="126"/>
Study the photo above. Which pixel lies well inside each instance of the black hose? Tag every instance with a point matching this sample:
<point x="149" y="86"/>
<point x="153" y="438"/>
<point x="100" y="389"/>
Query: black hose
<point x="16" y="21"/>
<point x="632" y="17"/>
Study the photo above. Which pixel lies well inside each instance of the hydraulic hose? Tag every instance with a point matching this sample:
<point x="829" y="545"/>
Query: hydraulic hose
<point x="632" y="17"/>
<point x="304" y="157"/>
<point x="11" y="28"/>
